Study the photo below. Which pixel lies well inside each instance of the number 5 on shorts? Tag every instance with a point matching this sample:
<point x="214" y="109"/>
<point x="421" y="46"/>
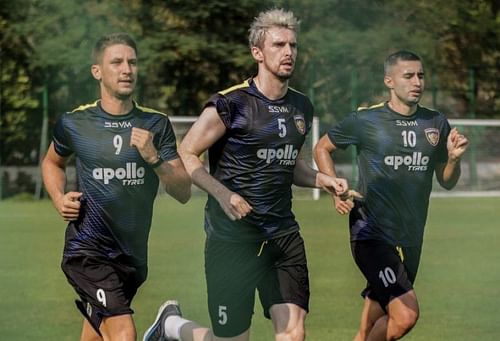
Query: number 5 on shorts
<point x="222" y="315"/>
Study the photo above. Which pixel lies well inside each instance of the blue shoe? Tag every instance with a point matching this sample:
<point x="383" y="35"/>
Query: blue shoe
<point x="157" y="330"/>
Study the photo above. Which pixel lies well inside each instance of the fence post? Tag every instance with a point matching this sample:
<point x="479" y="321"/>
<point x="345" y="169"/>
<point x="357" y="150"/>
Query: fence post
<point x="434" y="90"/>
<point x="43" y="141"/>
<point x="316" y="192"/>
<point x="354" y="106"/>
<point x="473" y="133"/>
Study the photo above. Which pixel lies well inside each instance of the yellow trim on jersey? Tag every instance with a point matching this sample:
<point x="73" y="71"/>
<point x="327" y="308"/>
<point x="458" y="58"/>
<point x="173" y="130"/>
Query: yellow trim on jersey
<point x="85" y="106"/>
<point x="400" y="252"/>
<point x="149" y="110"/>
<point x="235" y="87"/>
<point x="261" y="248"/>
<point x="296" y="91"/>
<point x="371" y="107"/>
<point x="430" y="109"/>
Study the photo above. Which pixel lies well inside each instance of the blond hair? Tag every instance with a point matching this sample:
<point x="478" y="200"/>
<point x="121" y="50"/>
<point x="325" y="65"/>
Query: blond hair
<point x="277" y="17"/>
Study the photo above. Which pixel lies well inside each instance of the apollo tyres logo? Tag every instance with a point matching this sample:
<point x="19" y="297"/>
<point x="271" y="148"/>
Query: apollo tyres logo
<point x="130" y="175"/>
<point x="285" y="156"/>
<point x="415" y="162"/>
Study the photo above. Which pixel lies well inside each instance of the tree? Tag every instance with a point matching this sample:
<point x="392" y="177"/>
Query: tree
<point x="190" y="49"/>
<point x="18" y="95"/>
<point x="343" y="46"/>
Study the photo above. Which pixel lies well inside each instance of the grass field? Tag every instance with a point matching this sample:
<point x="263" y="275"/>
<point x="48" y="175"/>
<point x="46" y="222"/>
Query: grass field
<point x="458" y="284"/>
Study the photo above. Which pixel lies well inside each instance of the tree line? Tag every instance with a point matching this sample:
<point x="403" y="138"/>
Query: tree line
<point x="189" y="49"/>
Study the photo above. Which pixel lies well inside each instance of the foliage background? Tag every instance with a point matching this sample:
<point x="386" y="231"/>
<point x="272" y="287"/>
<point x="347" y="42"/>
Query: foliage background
<point x="189" y="49"/>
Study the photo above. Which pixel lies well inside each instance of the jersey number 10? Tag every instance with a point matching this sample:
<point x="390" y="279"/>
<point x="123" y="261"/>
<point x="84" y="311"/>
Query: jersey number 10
<point x="409" y="138"/>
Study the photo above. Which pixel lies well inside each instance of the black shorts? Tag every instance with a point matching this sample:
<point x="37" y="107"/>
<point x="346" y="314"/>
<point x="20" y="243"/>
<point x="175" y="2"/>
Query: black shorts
<point x="390" y="271"/>
<point x="277" y="268"/>
<point x="106" y="287"/>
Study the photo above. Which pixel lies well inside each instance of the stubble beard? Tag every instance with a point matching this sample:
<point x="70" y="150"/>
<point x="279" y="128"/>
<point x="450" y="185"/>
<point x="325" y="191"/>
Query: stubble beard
<point x="124" y="96"/>
<point x="409" y="101"/>
<point x="284" y="76"/>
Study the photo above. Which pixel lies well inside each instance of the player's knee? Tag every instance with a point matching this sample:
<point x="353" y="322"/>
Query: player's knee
<point x="295" y="333"/>
<point x="127" y="334"/>
<point x="404" y="322"/>
<point x="118" y="328"/>
<point x="364" y="331"/>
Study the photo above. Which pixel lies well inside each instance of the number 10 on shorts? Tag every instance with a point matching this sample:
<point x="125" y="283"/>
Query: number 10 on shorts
<point x="222" y="315"/>
<point x="387" y="276"/>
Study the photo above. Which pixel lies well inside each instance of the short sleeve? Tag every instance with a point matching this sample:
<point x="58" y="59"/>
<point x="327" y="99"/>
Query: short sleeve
<point x="221" y="104"/>
<point x="345" y="133"/>
<point x="309" y="115"/>
<point x="62" y="144"/>
<point x="442" y="153"/>
<point x="167" y="146"/>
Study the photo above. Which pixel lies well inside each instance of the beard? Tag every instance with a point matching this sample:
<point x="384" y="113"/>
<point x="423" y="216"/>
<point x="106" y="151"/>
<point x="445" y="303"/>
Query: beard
<point x="412" y="101"/>
<point x="284" y="76"/>
<point x="123" y="96"/>
<point x="409" y="101"/>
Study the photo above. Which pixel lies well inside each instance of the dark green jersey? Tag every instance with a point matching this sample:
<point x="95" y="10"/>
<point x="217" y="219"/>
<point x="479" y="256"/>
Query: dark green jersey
<point x="118" y="186"/>
<point x="256" y="158"/>
<point x="396" y="157"/>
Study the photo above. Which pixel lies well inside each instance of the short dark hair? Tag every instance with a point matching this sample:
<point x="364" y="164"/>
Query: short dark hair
<point x="397" y="56"/>
<point x="109" y="40"/>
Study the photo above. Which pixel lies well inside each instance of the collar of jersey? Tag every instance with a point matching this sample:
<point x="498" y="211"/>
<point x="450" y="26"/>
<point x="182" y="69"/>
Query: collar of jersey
<point x="412" y="116"/>
<point x="107" y="115"/>
<point x="256" y="91"/>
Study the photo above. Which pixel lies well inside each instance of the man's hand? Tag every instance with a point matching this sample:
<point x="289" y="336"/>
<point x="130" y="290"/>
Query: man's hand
<point x="456" y="144"/>
<point x="343" y="196"/>
<point x="233" y="205"/>
<point x="143" y="141"/>
<point x="342" y="206"/>
<point x="344" y="203"/>
<point x="68" y="205"/>
<point x="330" y="184"/>
<point x="336" y="186"/>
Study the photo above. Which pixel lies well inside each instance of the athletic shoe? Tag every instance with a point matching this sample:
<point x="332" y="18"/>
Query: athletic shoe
<point x="156" y="332"/>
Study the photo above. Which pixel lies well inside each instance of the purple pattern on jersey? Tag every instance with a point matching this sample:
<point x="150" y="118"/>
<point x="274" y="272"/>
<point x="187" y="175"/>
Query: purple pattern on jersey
<point x="396" y="162"/>
<point x="117" y="184"/>
<point x="256" y="158"/>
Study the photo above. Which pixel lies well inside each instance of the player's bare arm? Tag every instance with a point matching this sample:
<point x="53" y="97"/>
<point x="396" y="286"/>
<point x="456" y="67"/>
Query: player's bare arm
<point x="175" y="179"/>
<point x="448" y="173"/>
<point x="204" y="133"/>
<point x="322" y="155"/>
<point x="172" y="173"/>
<point x="54" y="179"/>
<point x="305" y="176"/>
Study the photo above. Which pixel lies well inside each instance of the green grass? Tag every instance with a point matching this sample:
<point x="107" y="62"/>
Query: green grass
<point x="458" y="285"/>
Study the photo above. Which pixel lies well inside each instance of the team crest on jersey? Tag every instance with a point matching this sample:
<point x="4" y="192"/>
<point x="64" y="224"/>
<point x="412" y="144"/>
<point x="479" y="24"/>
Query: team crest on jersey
<point x="300" y="123"/>
<point x="432" y="135"/>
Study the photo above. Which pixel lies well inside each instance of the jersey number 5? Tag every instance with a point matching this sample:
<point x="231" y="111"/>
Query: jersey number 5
<point x="281" y="127"/>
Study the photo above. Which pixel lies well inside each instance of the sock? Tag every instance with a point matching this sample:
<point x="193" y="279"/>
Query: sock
<point x="173" y="325"/>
